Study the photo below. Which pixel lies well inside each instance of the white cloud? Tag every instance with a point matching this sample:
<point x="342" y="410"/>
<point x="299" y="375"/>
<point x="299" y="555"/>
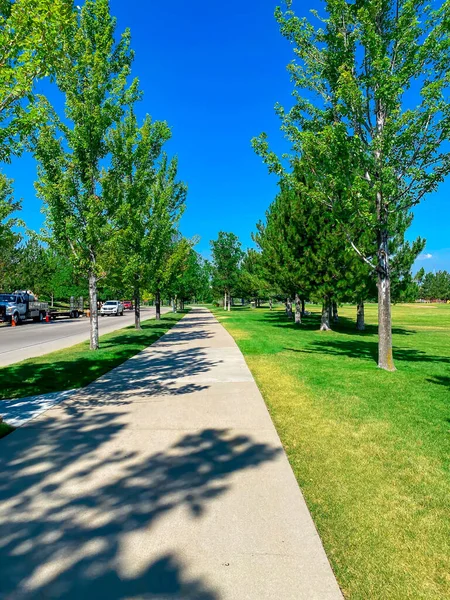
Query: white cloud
<point x="424" y="256"/>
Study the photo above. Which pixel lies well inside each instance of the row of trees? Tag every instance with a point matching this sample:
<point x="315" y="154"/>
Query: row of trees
<point x="291" y="256"/>
<point x="433" y="286"/>
<point x="112" y="196"/>
<point x="362" y="154"/>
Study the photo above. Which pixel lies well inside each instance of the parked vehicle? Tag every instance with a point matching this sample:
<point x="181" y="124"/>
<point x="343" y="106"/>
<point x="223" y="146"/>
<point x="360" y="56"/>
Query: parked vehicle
<point x="112" y="307"/>
<point x="21" y="306"/>
<point x="74" y="310"/>
<point x="128" y="305"/>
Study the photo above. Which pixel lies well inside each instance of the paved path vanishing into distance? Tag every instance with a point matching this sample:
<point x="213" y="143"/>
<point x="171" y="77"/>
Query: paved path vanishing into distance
<point x="164" y="479"/>
<point x="35" y="339"/>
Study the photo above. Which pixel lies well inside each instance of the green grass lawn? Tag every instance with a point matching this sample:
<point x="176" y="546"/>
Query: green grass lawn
<point x="370" y="449"/>
<point x="5" y="429"/>
<point x="77" y="366"/>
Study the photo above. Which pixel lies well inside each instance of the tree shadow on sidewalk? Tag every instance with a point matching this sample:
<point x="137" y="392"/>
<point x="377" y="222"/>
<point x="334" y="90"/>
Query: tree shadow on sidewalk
<point x="77" y="494"/>
<point x="34" y="377"/>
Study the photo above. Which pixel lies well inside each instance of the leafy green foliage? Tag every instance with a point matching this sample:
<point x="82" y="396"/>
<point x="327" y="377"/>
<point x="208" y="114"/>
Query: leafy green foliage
<point x="9" y="238"/>
<point x="93" y="77"/>
<point x="149" y="201"/>
<point x="31" y="33"/>
<point x="435" y="286"/>
<point x="226" y="257"/>
<point x="253" y="279"/>
<point x="92" y="74"/>
<point x="368" y="157"/>
<point x="193" y="278"/>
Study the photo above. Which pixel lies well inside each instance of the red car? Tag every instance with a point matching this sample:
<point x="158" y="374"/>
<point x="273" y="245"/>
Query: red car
<point x="128" y="305"/>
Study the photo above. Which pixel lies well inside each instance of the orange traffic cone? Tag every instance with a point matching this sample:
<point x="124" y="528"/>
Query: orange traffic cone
<point x="47" y="318"/>
<point x="13" y="323"/>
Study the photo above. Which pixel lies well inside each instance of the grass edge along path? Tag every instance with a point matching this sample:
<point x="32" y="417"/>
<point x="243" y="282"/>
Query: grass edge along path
<point x="369" y="449"/>
<point x="5" y="429"/>
<point x="77" y="366"/>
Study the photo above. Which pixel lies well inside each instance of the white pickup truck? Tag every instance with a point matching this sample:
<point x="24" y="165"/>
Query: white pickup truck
<point x="21" y="306"/>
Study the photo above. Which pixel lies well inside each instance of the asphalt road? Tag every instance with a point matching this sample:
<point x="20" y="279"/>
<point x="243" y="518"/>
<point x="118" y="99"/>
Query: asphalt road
<point x="34" y="339"/>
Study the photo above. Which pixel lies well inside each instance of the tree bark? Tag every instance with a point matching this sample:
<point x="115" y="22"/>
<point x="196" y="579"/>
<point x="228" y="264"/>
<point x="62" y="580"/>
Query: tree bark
<point x="298" y="310"/>
<point x="360" y="321"/>
<point x="271" y="304"/>
<point x="158" y="305"/>
<point x="225" y="300"/>
<point x="229" y="301"/>
<point x="335" y="312"/>
<point x="385" y="357"/>
<point x="289" y="308"/>
<point x="93" y="317"/>
<point x="325" y="320"/>
<point x="137" y="308"/>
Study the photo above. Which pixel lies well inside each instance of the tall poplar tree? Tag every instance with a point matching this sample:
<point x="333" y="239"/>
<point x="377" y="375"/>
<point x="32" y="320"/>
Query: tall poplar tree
<point x="227" y="255"/>
<point x="372" y="154"/>
<point x="92" y="75"/>
<point x="169" y="200"/>
<point x="131" y="183"/>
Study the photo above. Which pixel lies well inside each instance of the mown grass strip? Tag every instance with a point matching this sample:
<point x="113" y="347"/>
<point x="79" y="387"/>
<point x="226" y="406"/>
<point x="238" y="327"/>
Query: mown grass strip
<point x="5" y="429"/>
<point x="77" y="366"/>
<point x="370" y="449"/>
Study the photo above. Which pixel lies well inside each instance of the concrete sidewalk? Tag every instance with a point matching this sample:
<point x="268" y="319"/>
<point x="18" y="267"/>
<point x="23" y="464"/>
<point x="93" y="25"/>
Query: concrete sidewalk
<point x="164" y="479"/>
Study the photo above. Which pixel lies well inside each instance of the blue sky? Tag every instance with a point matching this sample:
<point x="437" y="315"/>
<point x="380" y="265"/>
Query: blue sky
<point x="214" y="70"/>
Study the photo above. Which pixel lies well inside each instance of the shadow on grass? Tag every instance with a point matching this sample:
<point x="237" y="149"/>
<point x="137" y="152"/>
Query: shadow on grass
<point x="79" y="501"/>
<point x="440" y="380"/>
<point x="80" y="367"/>
<point x="367" y="350"/>
<point x="344" y="325"/>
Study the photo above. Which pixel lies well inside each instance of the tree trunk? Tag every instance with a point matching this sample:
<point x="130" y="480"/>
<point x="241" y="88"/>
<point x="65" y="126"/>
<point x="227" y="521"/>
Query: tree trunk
<point x="289" y="308"/>
<point x="174" y="304"/>
<point x="325" y="320"/>
<point x="229" y="301"/>
<point x="270" y="304"/>
<point x="335" y="312"/>
<point x="158" y="305"/>
<point x="303" y="307"/>
<point x="53" y="299"/>
<point x="137" y="308"/>
<point x="298" y="311"/>
<point x="360" y="321"/>
<point x="94" y="345"/>
<point x="225" y="301"/>
<point x="385" y="357"/>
